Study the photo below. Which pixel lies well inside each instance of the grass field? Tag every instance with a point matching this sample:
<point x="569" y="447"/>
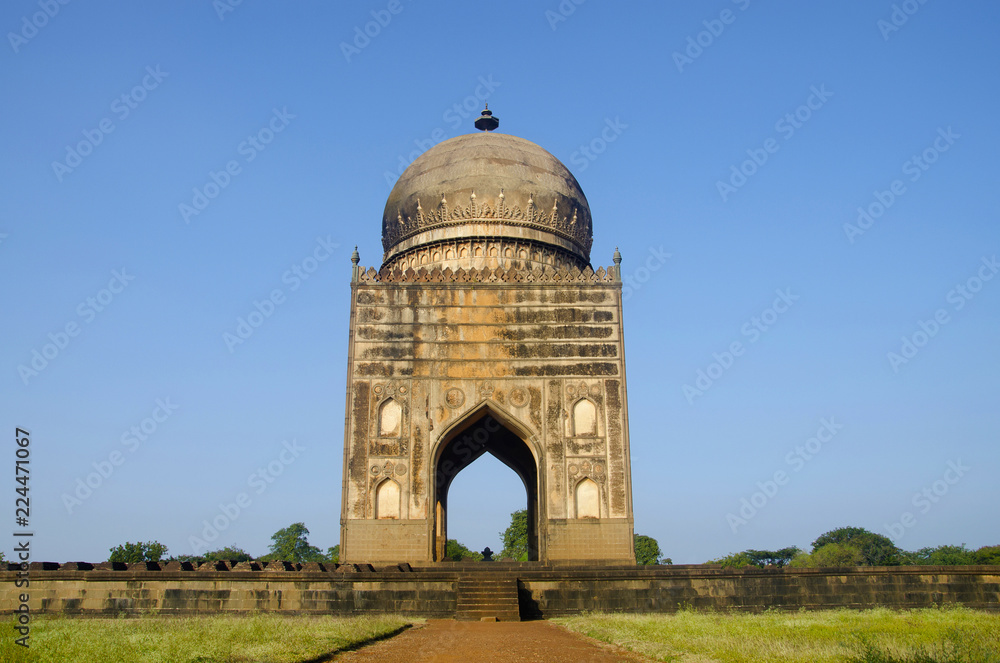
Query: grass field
<point x="216" y="639"/>
<point x="947" y="635"/>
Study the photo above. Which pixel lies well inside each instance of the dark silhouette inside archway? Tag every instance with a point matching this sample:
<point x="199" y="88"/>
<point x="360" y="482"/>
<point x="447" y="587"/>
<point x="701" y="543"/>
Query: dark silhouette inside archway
<point x="483" y="433"/>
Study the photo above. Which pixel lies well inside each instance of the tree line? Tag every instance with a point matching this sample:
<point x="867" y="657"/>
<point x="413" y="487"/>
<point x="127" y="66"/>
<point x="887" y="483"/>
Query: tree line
<point x="844" y="546"/>
<point x="288" y="544"/>
<point x="856" y="546"/>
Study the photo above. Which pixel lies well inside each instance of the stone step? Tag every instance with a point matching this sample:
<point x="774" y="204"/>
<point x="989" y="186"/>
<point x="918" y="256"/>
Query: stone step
<point x="488" y="616"/>
<point x="487" y="601"/>
<point x="479" y="598"/>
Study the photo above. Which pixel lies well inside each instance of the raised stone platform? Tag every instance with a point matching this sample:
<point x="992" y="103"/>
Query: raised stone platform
<point x="453" y="590"/>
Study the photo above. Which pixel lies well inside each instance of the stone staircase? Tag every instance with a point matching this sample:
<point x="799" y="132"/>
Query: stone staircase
<point x="487" y="597"/>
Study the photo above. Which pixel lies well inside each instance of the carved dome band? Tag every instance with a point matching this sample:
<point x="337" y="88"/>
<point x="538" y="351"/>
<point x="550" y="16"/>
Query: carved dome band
<point x="486" y="186"/>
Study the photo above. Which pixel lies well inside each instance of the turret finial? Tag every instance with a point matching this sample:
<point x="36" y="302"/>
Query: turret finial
<point x="486" y="121"/>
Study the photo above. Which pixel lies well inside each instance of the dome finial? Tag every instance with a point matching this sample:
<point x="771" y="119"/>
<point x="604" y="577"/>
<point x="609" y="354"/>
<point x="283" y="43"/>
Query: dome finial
<point x="486" y="121"/>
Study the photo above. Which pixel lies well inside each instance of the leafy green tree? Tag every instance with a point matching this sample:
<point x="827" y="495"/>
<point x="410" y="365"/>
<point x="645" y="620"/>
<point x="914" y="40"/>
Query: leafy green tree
<point x="942" y="556"/>
<point x="133" y="553"/>
<point x="458" y="552"/>
<point x="333" y="554"/>
<point x="777" y="558"/>
<point x="734" y="561"/>
<point x="228" y="554"/>
<point x="876" y="549"/>
<point x="987" y="555"/>
<point x="759" y="558"/>
<point x="515" y="537"/>
<point x="829" y="555"/>
<point x="647" y="550"/>
<point x="290" y="544"/>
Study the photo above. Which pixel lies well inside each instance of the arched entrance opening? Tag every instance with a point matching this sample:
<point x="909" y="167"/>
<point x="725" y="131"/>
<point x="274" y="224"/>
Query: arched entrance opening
<point x="484" y="431"/>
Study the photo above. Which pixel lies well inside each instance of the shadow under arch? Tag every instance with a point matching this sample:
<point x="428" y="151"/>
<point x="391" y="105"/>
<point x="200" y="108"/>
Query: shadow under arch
<point x="486" y="428"/>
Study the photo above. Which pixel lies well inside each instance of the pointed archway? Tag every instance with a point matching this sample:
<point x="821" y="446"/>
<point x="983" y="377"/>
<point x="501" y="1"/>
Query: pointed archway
<point x="485" y="429"/>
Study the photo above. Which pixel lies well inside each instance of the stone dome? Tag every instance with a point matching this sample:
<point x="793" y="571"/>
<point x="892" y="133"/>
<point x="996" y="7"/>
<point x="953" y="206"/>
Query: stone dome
<point x="486" y="200"/>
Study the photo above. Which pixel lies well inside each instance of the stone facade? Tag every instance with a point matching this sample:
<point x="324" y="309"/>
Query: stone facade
<point x="527" y="365"/>
<point x="486" y="331"/>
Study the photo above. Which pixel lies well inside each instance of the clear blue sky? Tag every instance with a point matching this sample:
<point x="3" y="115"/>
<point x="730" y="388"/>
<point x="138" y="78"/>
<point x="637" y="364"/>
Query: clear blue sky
<point x="198" y="82"/>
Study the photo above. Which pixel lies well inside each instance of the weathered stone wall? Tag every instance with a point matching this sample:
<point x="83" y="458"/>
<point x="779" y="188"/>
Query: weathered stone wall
<point x="545" y="591"/>
<point x="555" y="593"/>
<point x="87" y="589"/>
<point x="433" y="351"/>
<point x="588" y="539"/>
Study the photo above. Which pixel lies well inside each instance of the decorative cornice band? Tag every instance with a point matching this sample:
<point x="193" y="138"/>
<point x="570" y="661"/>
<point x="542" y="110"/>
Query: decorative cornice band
<point x="486" y="275"/>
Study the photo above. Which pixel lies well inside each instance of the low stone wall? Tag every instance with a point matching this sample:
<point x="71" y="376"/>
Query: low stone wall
<point x="545" y="591"/>
<point x="666" y="589"/>
<point x="111" y="589"/>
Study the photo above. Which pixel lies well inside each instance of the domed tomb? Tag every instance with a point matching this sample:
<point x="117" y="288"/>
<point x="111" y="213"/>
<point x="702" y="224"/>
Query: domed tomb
<point x="486" y="331"/>
<point x="486" y="200"/>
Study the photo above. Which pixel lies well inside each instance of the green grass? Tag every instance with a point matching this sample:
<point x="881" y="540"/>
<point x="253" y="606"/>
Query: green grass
<point x="946" y="635"/>
<point x="258" y="638"/>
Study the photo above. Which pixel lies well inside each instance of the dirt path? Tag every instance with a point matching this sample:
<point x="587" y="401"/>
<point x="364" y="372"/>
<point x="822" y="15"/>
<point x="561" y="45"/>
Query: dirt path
<point x="447" y="641"/>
